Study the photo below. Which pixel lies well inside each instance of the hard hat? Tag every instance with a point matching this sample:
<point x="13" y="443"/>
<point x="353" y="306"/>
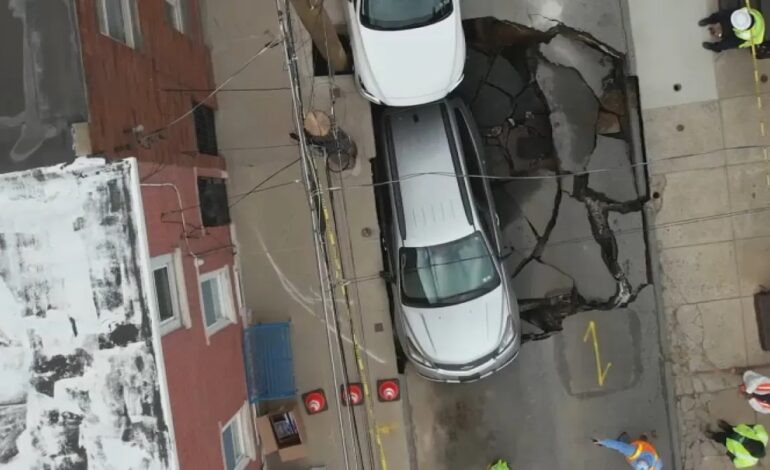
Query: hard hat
<point x="741" y="19"/>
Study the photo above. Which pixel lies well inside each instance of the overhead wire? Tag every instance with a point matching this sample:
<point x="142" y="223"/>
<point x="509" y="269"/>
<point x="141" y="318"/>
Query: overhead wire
<point x="569" y="241"/>
<point x="310" y="181"/>
<point x="256" y="187"/>
<point x="361" y="359"/>
<point x="148" y="137"/>
<point x="549" y="176"/>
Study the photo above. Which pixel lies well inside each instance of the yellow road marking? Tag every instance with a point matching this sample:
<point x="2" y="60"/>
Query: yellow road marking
<point x="758" y="91"/>
<point x="600" y="374"/>
<point x="377" y="431"/>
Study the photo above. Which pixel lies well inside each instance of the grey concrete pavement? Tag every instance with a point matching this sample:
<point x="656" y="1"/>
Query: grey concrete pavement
<point x="554" y="104"/>
<point x="541" y="412"/>
<point x="280" y="272"/>
<point x="709" y="173"/>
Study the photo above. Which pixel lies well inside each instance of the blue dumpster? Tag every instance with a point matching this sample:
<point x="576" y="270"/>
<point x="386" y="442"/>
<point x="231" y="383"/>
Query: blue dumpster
<point x="269" y="362"/>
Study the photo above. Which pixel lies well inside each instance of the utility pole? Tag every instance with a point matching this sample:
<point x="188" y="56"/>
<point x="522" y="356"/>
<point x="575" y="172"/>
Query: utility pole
<point x="323" y="33"/>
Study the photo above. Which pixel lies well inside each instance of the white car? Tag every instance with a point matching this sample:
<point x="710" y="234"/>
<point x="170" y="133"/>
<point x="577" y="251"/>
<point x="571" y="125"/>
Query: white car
<point x="406" y="52"/>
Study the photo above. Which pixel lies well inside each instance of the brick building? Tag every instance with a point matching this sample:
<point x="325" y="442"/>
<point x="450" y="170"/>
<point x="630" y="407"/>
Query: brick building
<point x="145" y="66"/>
<point x="121" y="78"/>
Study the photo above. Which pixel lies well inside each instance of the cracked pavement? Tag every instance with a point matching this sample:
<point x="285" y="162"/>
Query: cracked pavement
<point x="538" y="102"/>
<point x="550" y="101"/>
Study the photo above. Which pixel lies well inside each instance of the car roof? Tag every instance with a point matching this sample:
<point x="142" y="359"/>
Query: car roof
<point x="434" y="207"/>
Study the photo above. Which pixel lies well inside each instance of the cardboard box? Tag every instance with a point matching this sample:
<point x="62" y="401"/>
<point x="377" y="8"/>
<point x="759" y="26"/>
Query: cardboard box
<point x="283" y="432"/>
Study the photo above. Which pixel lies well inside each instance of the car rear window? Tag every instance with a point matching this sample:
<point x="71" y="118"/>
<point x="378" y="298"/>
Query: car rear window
<point x="403" y="14"/>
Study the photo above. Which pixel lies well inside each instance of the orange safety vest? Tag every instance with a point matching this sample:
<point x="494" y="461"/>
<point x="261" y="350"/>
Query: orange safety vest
<point x="641" y="446"/>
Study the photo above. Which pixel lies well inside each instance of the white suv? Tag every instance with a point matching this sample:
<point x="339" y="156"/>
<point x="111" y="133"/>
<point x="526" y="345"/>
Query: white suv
<point x="406" y="52"/>
<point x="455" y="312"/>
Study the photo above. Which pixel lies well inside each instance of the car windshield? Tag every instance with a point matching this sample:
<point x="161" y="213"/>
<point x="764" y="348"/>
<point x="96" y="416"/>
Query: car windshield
<point x="403" y="14"/>
<point x="447" y="274"/>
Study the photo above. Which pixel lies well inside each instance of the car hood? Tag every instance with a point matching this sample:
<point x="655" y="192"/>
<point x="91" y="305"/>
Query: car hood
<point x="458" y="334"/>
<point x="414" y="66"/>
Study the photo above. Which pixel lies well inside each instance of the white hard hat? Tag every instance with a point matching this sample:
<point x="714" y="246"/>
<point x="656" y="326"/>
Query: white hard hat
<point x="741" y="19"/>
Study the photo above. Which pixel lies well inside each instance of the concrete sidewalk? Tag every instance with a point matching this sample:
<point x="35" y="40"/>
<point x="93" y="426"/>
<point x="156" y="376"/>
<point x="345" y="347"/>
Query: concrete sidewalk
<point x="711" y="212"/>
<point x="280" y="275"/>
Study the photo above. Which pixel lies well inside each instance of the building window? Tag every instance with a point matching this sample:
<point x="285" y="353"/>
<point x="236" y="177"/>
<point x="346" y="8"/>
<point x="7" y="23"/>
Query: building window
<point x="212" y="196"/>
<point x="119" y="20"/>
<point x="233" y="443"/>
<point x="175" y="14"/>
<point x="205" y="130"/>
<point x="217" y="299"/>
<point x="167" y="299"/>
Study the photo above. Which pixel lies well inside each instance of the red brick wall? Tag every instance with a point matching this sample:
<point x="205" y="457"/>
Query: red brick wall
<point x="206" y="382"/>
<point x="126" y="86"/>
<point x="125" y="89"/>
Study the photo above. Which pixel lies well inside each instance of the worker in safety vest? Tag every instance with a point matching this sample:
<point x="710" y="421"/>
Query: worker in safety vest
<point x="756" y="389"/>
<point x="737" y="29"/>
<point x="499" y="465"/>
<point x="745" y="444"/>
<point x="640" y="454"/>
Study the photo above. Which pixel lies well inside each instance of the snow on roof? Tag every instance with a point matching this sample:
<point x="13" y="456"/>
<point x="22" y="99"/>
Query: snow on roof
<point x="79" y="381"/>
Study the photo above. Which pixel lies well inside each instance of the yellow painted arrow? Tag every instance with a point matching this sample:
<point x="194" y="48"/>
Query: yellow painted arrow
<point x="601" y="374"/>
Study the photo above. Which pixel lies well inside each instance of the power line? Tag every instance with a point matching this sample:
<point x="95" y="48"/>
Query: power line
<point x="147" y="139"/>
<point x="311" y="184"/>
<point x="261" y="183"/>
<point x="224" y="83"/>
<point x="615" y="234"/>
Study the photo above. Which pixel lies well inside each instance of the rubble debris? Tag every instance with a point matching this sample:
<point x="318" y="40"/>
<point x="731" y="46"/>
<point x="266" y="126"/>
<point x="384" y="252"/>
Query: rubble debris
<point x="607" y="123"/>
<point x="593" y="65"/>
<point x="574" y="112"/>
<point x="614" y="101"/>
<point x="545" y="102"/>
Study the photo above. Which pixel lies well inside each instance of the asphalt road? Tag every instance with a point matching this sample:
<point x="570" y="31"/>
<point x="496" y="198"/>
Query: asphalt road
<point x="554" y="104"/>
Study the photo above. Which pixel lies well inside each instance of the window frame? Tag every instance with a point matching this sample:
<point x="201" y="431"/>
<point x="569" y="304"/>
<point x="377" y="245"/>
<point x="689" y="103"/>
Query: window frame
<point x="169" y="262"/>
<point x="225" y="207"/>
<point x="131" y="22"/>
<point x="223" y="279"/>
<point x="243" y="458"/>
<point x="204" y="119"/>
<point x="178" y="21"/>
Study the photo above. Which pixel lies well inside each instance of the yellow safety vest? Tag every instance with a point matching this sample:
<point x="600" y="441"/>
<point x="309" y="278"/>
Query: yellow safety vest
<point x="741" y="456"/>
<point x="755" y="34"/>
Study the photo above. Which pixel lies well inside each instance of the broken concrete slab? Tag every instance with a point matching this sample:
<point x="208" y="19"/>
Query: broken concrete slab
<point x="571" y="223"/>
<point x="583" y="262"/>
<point x="537" y="280"/>
<point x="516" y="230"/>
<point x="619" y="184"/>
<point x="497" y="161"/>
<point x="593" y="65"/>
<point x="504" y="75"/>
<point x="574" y="112"/>
<point x="534" y="199"/>
<point x="530" y="105"/>
<point x="632" y="249"/>
<point x="476" y="68"/>
<point x="597" y="18"/>
<point x="491" y="106"/>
